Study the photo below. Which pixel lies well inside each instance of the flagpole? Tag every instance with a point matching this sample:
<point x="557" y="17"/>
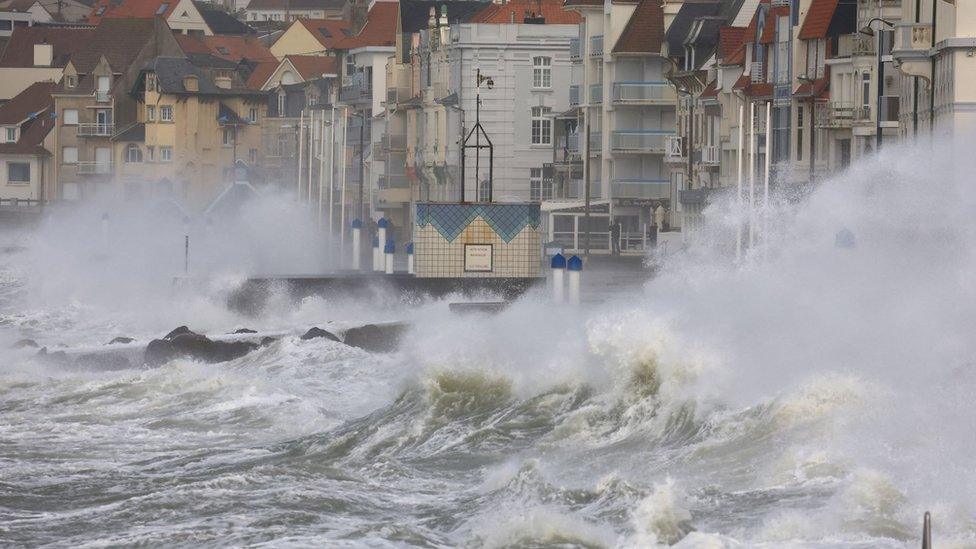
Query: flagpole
<point x="301" y="146"/>
<point x="738" y="226"/>
<point x="752" y="173"/>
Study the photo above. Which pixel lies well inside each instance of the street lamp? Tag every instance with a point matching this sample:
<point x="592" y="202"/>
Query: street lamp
<point x="867" y="30"/>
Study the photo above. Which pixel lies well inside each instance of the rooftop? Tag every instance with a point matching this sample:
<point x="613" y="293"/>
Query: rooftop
<point x="19" y="51"/>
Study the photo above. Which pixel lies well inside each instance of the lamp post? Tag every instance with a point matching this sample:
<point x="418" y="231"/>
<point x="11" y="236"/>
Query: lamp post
<point x="813" y="119"/>
<point x="682" y="90"/>
<point x="868" y="30"/>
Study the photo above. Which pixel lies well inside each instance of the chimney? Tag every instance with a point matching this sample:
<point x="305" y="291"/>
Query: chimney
<point x="222" y="82"/>
<point x="43" y="55"/>
<point x="190" y="83"/>
<point x="432" y="19"/>
<point x="443" y="15"/>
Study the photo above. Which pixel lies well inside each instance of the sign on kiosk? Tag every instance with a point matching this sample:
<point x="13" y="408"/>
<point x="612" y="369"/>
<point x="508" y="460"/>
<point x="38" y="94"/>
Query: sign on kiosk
<point x="478" y="258"/>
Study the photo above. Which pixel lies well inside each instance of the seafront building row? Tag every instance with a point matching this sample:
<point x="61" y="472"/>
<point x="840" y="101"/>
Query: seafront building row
<point x="367" y="108"/>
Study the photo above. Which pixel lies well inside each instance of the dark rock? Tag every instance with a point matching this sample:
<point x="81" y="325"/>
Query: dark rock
<point x="182" y="330"/>
<point x="245" y="331"/>
<point x="25" y="344"/>
<point x="265" y="341"/>
<point x="120" y="340"/>
<point x="316" y="332"/>
<point x="103" y="361"/>
<point x="57" y="357"/>
<point x="383" y="338"/>
<point x="197" y="347"/>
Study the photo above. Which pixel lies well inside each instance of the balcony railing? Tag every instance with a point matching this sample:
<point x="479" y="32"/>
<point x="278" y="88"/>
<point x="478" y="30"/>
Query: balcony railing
<point x="596" y="94"/>
<point x="836" y="115"/>
<point x="572" y="143"/>
<point x="709" y="154"/>
<point x="642" y="188"/>
<point x="96" y="130"/>
<point x="389" y="181"/>
<point x="756" y="73"/>
<point x="574" y="48"/>
<point x="356" y="90"/>
<point x="596" y="45"/>
<point x="642" y="92"/>
<point x="912" y="40"/>
<point x="94" y="168"/>
<point x="574" y="95"/>
<point x="651" y="141"/>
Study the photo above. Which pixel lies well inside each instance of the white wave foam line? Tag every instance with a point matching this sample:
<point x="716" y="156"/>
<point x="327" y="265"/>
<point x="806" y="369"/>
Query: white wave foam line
<point x="660" y="518"/>
<point x="540" y="525"/>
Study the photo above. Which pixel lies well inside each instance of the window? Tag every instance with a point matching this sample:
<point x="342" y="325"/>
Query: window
<point x="70" y="117"/>
<point x="252" y="115"/>
<point x="150" y="113"/>
<point x="367" y="79"/>
<point x="541" y="72"/>
<point x="350" y="65"/>
<point x="229" y="136"/>
<point x="11" y="135"/>
<point x="222" y="50"/>
<point x="162" y="8"/>
<point x="535" y="184"/>
<point x="151" y="82"/>
<point x="281" y="104"/>
<point x="166" y="113"/>
<point x="166" y="154"/>
<point x="541" y="126"/>
<point x="866" y="93"/>
<point x="70" y="80"/>
<point x="69" y="155"/>
<point x="150" y="153"/>
<point x="252" y="156"/>
<point x="6" y="24"/>
<point x="101" y="10"/>
<point x="18" y="172"/>
<point x="133" y="153"/>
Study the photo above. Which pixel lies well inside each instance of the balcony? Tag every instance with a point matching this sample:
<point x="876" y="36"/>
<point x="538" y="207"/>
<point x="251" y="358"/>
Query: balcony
<point x="634" y="92"/>
<point x="674" y="149"/>
<point x="836" y="115"/>
<point x="912" y="40"/>
<point x="709" y="155"/>
<point x="393" y="181"/>
<point x="94" y="168"/>
<point x="572" y="143"/>
<point x="356" y="90"/>
<point x="640" y="141"/>
<point x="596" y="46"/>
<point x="756" y="73"/>
<point x="596" y="94"/>
<point x="574" y="48"/>
<point x="102" y="96"/>
<point x="642" y="188"/>
<point x="96" y="130"/>
<point x="574" y="96"/>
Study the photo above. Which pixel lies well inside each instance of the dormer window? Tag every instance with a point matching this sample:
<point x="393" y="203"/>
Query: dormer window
<point x="151" y="82"/>
<point x="70" y="81"/>
<point x="101" y="10"/>
<point x="11" y="134"/>
<point x="222" y="50"/>
<point x="162" y="8"/>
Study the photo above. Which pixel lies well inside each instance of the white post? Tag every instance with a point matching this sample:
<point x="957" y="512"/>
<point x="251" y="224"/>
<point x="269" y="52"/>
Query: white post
<point x="769" y="154"/>
<point x="381" y="234"/>
<point x="322" y="141"/>
<point x="332" y="144"/>
<point x="558" y="265"/>
<point x="410" y="269"/>
<point x="311" y="151"/>
<point x="342" y="192"/>
<point x="357" y="227"/>
<point x="752" y="173"/>
<point x="738" y="227"/>
<point x="376" y="253"/>
<point x="301" y="147"/>
<point x="388" y="252"/>
<point x="575" y="268"/>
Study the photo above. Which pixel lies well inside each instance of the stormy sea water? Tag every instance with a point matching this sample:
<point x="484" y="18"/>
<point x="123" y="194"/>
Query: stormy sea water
<point x="809" y="395"/>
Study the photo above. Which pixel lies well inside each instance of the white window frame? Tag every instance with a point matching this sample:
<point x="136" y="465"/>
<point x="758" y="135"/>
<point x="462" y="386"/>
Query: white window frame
<point x="535" y="184"/>
<point x="541" y="125"/>
<point x="67" y="120"/>
<point x="163" y="110"/>
<point x="166" y="154"/>
<point x="67" y="158"/>
<point x="133" y="154"/>
<point x="11" y="181"/>
<point x="150" y="113"/>
<point x="542" y="72"/>
<point x="11" y="134"/>
<point x="252" y="115"/>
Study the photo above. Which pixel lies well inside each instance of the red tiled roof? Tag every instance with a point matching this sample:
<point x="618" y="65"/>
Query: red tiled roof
<point x="130" y="9"/>
<point x="730" y="39"/>
<point x="517" y="10"/>
<point x="31" y="108"/>
<point x="769" y="29"/>
<point x="817" y="20"/>
<point x="262" y="72"/>
<point x="711" y="90"/>
<point x="229" y="47"/>
<point x="313" y="66"/>
<point x="644" y="32"/>
<point x="19" y="51"/>
<point x="577" y="3"/>
<point x="761" y="89"/>
<point x="379" y="30"/>
<point x="816" y="89"/>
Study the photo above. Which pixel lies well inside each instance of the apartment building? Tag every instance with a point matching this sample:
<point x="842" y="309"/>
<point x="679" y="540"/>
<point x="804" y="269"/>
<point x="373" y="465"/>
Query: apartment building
<point x="42" y="11"/>
<point x="286" y="11"/>
<point x="198" y="130"/>
<point x="934" y="48"/>
<point x="26" y="122"/>
<point x="93" y="100"/>
<point x="627" y="107"/>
